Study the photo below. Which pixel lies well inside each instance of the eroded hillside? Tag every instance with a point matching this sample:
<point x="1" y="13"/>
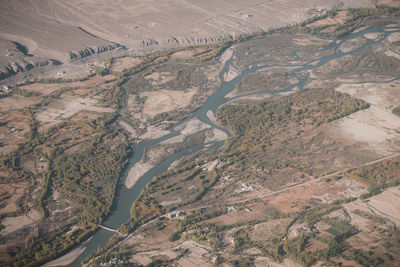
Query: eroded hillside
<point x="35" y="33"/>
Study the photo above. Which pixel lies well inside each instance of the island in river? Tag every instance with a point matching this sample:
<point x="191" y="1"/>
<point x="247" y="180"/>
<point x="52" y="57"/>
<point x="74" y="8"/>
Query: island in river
<point x="277" y="148"/>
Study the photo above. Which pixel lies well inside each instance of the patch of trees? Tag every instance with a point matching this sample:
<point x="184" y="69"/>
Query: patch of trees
<point x="143" y="210"/>
<point x="25" y="93"/>
<point x="356" y="17"/>
<point x="396" y="111"/>
<point x="378" y="174"/>
<point x="51" y="247"/>
<point x="87" y="177"/>
<point x="56" y="80"/>
<point x="258" y="129"/>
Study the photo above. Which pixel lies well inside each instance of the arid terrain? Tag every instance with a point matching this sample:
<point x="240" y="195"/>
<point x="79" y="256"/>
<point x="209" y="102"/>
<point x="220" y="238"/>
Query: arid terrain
<point x="231" y="141"/>
<point x="37" y="33"/>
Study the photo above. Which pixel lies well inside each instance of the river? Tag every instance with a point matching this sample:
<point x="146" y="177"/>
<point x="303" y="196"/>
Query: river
<point x="125" y="197"/>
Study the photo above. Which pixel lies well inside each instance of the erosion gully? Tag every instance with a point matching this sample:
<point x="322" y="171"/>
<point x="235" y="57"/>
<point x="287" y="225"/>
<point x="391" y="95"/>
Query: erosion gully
<point x="125" y="197"/>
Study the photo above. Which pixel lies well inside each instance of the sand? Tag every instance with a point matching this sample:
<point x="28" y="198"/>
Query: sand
<point x="166" y="100"/>
<point x="69" y="257"/>
<point x="136" y="172"/>
<point x="384" y="96"/>
<point x="15" y="223"/>
<point x="215" y="135"/>
<point x="391" y="53"/>
<point x="351" y="45"/>
<point x="153" y="156"/>
<point x="376" y="127"/>
<point x="211" y="116"/>
<point x="191" y="127"/>
<point x="154" y="132"/>
<point x="231" y="74"/>
<point x="307" y="40"/>
<point x="228" y="54"/>
<point x="373" y="35"/>
<point x="132" y="132"/>
<point x="67" y="106"/>
<point x="394" y="37"/>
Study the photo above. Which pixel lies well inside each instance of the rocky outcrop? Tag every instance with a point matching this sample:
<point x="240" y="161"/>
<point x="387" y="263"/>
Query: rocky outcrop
<point x="15" y="67"/>
<point x="88" y="51"/>
<point x="19" y="60"/>
<point x="150" y="42"/>
<point x="185" y="41"/>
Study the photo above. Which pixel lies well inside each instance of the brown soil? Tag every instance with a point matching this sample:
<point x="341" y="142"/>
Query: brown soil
<point x="314" y="192"/>
<point x="340" y="18"/>
<point x="16" y="102"/>
<point x="15" y="132"/>
<point x="67" y="106"/>
<point x="10" y="195"/>
<point x="166" y="100"/>
<point x="120" y="64"/>
<point x="315" y="245"/>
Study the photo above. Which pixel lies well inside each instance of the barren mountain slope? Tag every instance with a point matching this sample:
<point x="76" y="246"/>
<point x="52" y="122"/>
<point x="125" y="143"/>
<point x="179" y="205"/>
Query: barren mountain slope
<point x="33" y="31"/>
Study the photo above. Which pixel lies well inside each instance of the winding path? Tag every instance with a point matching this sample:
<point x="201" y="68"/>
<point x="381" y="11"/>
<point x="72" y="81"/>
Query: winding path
<point x="111" y="230"/>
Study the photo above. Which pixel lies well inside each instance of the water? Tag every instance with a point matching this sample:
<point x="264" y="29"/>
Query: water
<point x="125" y="197"/>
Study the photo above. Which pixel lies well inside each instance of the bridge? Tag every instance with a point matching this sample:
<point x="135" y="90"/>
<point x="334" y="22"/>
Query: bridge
<point x="110" y="230"/>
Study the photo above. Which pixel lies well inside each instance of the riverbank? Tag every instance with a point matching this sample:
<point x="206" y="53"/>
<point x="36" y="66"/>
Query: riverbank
<point x="68" y="258"/>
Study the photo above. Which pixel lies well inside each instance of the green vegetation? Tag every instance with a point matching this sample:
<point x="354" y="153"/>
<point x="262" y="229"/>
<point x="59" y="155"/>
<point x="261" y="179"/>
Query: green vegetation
<point x="101" y="71"/>
<point x="56" y="80"/>
<point x="90" y="185"/>
<point x="246" y="148"/>
<point x="244" y="262"/>
<point x="356" y="18"/>
<point x="143" y="210"/>
<point x="259" y="81"/>
<point x="25" y="93"/>
<point x="273" y="125"/>
<point x="86" y="175"/>
<point x="328" y="104"/>
<point x="396" y="111"/>
<point x="378" y="173"/>
<point x="378" y="176"/>
<point x="84" y="166"/>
